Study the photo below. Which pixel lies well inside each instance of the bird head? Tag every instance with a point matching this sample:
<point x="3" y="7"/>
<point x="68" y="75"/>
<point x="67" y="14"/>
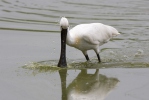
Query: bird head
<point x="64" y="23"/>
<point x="64" y="29"/>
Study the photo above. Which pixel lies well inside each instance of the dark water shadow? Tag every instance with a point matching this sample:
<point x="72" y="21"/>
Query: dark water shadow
<point x="86" y="86"/>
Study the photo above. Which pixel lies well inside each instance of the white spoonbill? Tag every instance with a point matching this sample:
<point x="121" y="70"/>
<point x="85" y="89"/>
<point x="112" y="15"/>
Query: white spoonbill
<point x="84" y="37"/>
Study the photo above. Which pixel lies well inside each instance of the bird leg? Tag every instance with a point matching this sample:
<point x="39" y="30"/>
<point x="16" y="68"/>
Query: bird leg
<point x="87" y="58"/>
<point x="86" y="55"/>
<point x="98" y="57"/>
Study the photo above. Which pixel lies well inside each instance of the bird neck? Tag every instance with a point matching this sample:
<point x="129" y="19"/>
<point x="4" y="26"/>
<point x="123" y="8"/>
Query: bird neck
<point x="70" y="39"/>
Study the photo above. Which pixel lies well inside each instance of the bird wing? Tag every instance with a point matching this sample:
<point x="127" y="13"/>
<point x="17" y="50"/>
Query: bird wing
<point x="96" y="34"/>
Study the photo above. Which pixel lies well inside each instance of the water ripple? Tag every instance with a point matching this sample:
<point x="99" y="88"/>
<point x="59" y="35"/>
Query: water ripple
<point x="130" y="17"/>
<point x="122" y="14"/>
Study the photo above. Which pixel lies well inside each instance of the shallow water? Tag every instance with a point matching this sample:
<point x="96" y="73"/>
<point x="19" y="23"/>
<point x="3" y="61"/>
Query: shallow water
<point x="30" y="47"/>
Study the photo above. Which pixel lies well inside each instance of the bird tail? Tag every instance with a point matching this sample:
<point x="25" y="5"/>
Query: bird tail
<point x="115" y="32"/>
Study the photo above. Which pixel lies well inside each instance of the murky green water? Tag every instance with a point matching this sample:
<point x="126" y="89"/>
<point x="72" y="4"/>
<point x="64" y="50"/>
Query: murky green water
<point x="30" y="37"/>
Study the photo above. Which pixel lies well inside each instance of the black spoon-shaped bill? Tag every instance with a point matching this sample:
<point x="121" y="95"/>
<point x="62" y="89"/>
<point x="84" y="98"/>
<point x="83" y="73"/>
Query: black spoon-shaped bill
<point x="62" y="61"/>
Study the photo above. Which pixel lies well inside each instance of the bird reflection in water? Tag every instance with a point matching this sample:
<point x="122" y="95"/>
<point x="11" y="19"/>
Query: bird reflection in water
<point x="87" y="86"/>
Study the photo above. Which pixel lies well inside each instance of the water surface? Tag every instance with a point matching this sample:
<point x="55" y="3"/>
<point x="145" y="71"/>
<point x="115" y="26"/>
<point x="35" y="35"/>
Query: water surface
<point x="30" y="37"/>
<point x="130" y="17"/>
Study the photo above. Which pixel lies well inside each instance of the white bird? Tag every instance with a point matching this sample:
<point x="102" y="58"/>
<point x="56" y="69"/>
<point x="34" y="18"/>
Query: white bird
<point x="84" y="37"/>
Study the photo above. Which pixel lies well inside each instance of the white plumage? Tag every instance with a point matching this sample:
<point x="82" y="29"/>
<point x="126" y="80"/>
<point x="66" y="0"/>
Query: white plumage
<point x="88" y="36"/>
<point x="64" y="23"/>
